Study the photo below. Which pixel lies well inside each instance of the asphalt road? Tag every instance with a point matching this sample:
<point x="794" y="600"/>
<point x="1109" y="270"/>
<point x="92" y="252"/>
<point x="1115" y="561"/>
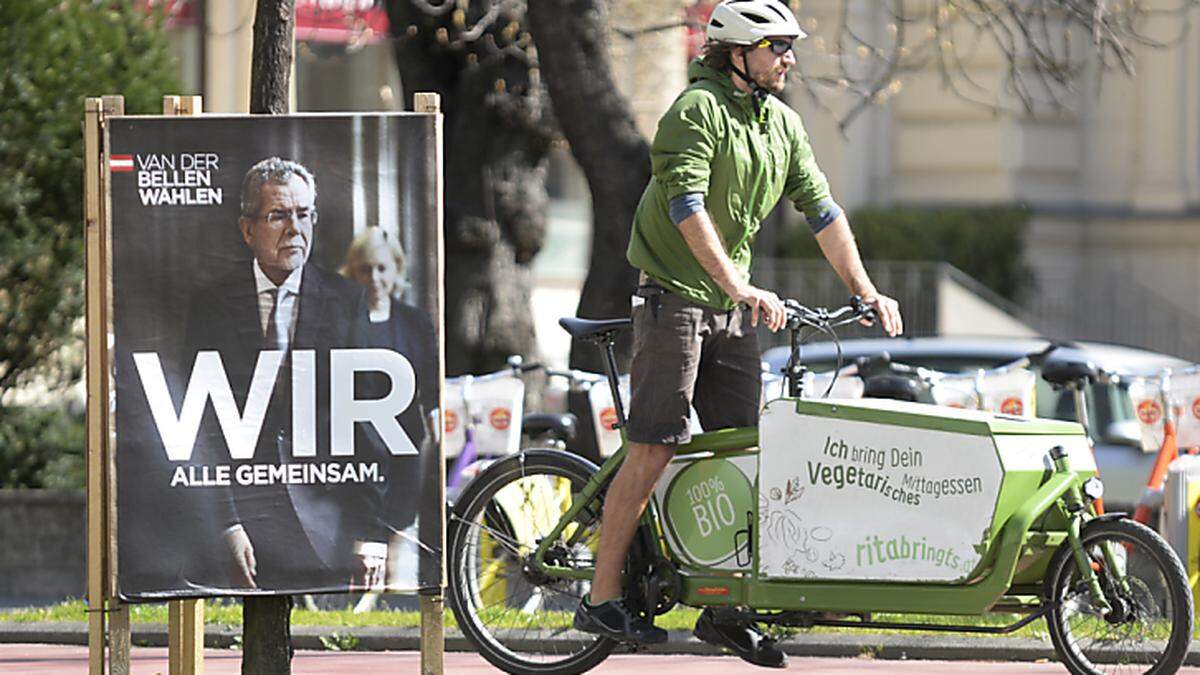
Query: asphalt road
<point x="40" y="659"/>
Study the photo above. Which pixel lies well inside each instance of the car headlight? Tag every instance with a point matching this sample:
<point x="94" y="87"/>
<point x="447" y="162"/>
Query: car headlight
<point x="1093" y="489"/>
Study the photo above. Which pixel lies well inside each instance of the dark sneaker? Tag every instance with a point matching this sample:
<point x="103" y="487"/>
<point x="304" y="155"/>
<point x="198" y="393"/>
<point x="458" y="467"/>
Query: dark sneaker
<point x="613" y="620"/>
<point x="744" y="639"/>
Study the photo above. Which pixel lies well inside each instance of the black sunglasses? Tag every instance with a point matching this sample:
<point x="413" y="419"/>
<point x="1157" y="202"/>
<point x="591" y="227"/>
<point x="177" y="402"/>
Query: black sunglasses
<point x="779" y="46"/>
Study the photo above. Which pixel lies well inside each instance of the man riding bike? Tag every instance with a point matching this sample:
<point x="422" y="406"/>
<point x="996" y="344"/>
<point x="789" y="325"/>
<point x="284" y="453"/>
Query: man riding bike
<point x="725" y="152"/>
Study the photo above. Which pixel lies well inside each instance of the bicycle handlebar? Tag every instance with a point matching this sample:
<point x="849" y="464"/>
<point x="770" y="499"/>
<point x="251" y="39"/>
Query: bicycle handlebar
<point x="822" y="318"/>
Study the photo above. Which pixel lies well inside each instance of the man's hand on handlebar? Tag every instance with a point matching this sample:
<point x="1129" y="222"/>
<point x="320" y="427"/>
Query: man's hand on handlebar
<point x="887" y="311"/>
<point x="767" y="304"/>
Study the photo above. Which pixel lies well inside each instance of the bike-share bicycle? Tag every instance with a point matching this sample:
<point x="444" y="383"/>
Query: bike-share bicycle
<point x="828" y="506"/>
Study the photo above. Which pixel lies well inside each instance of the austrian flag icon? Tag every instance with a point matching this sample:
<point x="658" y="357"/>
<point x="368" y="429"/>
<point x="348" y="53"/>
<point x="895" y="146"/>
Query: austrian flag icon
<point x="119" y="163"/>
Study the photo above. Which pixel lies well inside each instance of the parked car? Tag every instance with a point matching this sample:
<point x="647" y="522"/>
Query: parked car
<point x="1124" y="467"/>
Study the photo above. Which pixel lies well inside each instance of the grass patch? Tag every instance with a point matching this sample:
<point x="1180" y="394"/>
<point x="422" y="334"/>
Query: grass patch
<point x="228" y="612"/>
<point x="220" y="612"/>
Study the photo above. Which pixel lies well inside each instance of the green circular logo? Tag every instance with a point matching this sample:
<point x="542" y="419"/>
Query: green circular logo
<point x="707" y="504"/>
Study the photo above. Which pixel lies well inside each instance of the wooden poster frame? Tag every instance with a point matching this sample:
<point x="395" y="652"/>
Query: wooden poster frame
<point x="109" y="638"/>
<point x="109" y="634"/>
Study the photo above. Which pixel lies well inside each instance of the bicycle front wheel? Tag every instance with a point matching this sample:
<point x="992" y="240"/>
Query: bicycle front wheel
<point x="1149" y="626"/>
<point x="518" y="619"/>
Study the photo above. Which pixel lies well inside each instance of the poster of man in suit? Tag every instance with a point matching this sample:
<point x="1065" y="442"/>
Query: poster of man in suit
<point x="276" y="354"/>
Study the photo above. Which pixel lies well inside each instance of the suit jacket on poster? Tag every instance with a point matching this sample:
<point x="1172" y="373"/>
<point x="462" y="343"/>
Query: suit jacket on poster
<point x="410" y="332"/>
<point x="303" y="535"/>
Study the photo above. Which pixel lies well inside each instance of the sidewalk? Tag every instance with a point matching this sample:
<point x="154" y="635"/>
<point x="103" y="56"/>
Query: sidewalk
<point x="56" y="659"/>
<point x="896" y="647"/>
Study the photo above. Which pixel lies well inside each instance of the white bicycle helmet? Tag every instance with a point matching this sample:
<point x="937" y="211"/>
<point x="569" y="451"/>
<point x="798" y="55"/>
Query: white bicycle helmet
<point x="745" y="22"/>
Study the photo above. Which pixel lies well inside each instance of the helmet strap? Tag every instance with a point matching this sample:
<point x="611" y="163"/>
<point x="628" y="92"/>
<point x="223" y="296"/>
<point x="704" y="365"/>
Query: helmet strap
<point x="758" y="92"/>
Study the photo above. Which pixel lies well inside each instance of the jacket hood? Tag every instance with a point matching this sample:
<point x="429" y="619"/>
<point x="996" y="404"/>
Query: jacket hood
<point x="698" y="71"/>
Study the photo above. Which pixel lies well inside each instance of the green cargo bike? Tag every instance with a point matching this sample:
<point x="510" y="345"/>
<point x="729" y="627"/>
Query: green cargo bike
<point x="827" y="512"/>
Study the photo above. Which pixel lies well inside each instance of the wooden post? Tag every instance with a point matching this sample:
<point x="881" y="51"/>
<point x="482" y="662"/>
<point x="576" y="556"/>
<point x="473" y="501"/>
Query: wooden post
<point x="433" y="635"/>
<point x="108" y="618"/>
<point x="120" y="640"/>
<point x="193" y="636"/>
<point x="185" y="618"/>
<point x="92" y="141"/>
<point x="185" y="637"/>
<point x="174" y="609"/>
<point x="433" y="628"/>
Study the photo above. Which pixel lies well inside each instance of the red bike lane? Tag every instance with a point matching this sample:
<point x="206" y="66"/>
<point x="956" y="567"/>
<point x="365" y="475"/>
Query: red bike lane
<point x="45" y="659"/>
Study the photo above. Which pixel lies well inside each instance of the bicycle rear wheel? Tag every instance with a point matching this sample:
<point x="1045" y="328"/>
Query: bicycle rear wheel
<point x="518" y="619"/>
<point x="1149" y="627"/>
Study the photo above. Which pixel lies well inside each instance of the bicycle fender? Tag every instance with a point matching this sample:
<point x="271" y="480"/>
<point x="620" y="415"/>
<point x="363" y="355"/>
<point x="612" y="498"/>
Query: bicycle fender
<point x="1115" y="515"/>
<point x="524" y="455"/>
<point x="519" y="458"/>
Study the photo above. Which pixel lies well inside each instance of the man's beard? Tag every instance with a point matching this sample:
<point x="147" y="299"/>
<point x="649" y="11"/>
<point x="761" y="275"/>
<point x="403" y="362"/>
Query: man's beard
<point x="768" y="81"/>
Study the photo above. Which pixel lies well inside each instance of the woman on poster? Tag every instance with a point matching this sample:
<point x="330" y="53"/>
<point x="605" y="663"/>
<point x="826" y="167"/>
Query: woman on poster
<point x="377" y="262"/>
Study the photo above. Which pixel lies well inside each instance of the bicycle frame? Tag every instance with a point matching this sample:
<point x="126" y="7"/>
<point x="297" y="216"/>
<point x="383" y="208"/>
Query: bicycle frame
<point x="733" y="589"/>
<point x="1016" y="553"/>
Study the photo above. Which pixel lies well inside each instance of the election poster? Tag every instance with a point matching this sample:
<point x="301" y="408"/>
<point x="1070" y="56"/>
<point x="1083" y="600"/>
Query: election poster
<point x="276" y="354"/>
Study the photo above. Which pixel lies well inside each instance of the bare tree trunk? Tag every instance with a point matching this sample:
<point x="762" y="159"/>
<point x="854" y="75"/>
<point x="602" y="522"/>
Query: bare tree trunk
<point x="271" y="64"/>
<point x="266" y="635"/>
<point x="497" y="135"/>
<point x="266" y="620"/>
<point x="599" y="125"/>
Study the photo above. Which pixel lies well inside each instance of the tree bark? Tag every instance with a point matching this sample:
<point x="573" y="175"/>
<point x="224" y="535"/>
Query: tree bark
<point x="266" y="620"/>
<point x="599" y="126"/>
<point x="267" y="635"/>
<point x="498" y="132"/>
<point x="271" y="63"/>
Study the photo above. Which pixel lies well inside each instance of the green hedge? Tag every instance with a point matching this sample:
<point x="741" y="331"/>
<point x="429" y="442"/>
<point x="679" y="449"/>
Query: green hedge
<point x="985" y="242"/>
<point x="41" y="448"/>
<point x="56" y="53"/>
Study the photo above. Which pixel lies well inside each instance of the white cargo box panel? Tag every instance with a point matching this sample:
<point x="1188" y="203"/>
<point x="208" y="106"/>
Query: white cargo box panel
<point x="875" y="490"/>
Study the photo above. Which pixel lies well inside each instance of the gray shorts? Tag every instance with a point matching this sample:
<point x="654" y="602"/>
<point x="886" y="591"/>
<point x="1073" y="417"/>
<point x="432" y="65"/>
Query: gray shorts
<point x="685" y="353"/>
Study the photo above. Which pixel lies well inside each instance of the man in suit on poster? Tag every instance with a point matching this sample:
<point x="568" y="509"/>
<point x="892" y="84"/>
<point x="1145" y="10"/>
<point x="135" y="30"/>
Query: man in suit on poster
<point x="285" y="536"/>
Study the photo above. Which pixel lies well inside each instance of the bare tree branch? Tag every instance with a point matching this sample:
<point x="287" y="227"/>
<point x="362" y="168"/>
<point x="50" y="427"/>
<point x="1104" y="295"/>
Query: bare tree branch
<point x="1040" y="43"/>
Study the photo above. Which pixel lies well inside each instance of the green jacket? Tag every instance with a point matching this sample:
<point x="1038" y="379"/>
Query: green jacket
<point x="711" y="142"/>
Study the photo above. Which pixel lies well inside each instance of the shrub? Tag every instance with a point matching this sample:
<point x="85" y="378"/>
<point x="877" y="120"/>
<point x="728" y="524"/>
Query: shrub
<point x="55" y="54"/>
<point x="41" y="448"/>
<point x="985" y="242"/>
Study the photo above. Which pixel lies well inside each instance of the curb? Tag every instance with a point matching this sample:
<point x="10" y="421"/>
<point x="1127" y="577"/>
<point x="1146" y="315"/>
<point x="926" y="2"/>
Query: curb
<point x="387" y="638"/>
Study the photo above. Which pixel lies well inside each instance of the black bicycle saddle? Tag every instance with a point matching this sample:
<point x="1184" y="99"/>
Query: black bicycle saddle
<point x="591" y="328"/>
